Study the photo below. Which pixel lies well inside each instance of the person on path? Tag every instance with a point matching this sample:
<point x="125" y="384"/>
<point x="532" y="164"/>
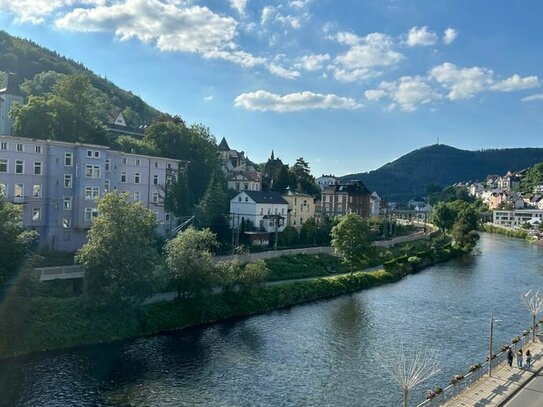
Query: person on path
<point x="510" y="357"/>
<point x="519" y="359"/>
<point x="528" y="358"/>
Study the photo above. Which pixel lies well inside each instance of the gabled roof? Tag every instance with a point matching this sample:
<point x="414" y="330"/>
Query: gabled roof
<point x="223" y="145"/>
<point x="269" y="197"/>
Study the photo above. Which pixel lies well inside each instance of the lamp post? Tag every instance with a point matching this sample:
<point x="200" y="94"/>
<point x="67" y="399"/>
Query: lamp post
<point x="492" y="320"/>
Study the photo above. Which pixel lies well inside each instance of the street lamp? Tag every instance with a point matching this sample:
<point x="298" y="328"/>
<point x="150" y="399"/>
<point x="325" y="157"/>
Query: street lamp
<point x="492" y="320"/>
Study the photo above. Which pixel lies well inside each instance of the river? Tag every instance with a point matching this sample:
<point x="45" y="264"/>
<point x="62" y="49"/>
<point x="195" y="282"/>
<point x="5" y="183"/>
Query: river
<point x="324" y="353"/>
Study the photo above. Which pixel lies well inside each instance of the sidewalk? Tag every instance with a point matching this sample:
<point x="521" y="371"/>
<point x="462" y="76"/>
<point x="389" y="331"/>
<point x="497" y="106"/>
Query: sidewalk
<point x="504" y="383"/>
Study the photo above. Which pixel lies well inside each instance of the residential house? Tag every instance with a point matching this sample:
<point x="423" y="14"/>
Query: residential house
<point x="517" y="218"/>
<point x="344" y="198"/>
<point x="327" y="180"/>
<point x="301" y="207"/>
<point x="265" y="210"/>
<point x="240" y="172"/>
<point x="58" y="183"/>
<point x="116" y="126"/>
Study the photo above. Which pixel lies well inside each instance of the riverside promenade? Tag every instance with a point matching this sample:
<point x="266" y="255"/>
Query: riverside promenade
<point x="505" y="382"/>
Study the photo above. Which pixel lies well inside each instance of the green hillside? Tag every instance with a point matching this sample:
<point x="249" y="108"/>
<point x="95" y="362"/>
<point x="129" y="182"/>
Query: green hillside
<point x="33" y="63"/>
<point x="409" y="175"/>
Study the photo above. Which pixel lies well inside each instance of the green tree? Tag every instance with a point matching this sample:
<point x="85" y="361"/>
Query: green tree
<point x="351" y="238"/>
<point x="308" y="232"/>
<point x="190" y="261"/>
<point x="32" y="119"/>
<point x="303" y="180"/>
<point x="212" y="208"/>
<point x="41" y="84"/>
<point x="289" y="236"/>
<point x="443" y="216"/>
<point x="120" y="256"/>
<point x="15" y="241"/>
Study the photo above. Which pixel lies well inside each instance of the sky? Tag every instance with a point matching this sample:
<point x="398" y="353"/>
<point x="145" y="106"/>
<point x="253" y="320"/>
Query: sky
<point x="348" y="85"/>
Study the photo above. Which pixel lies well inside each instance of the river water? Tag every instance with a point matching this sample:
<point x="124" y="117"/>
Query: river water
<point x="321" y="354"/>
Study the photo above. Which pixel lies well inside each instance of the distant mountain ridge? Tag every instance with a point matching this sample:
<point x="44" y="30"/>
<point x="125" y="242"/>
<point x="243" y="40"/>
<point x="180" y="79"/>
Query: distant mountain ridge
<point x="409" y="175"/>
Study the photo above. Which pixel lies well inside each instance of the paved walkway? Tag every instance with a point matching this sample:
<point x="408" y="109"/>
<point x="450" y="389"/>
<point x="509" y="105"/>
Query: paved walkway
<point x="504" y="383"/>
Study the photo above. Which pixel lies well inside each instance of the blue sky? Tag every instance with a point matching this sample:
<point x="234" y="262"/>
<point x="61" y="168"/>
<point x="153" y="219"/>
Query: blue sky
<point x="347" y="84"/>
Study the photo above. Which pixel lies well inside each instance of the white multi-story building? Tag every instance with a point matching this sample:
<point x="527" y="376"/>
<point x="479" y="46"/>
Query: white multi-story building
<point x="265" y="210"/>
<point x="58" y="184"/>
<point x="517" y="218"/>
<point x="326" y="180"/>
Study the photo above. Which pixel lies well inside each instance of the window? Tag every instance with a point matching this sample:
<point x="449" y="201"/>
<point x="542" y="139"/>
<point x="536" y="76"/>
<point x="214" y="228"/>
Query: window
<point x="155" y="179"/>
<point x="92" y="171"/>
<point x="123" y="161"/>
<point x="246" y="199"/>
<point x="67" y="203"/>
<point x="123" y="177"/>
<point x="89" y="153"/>
<point x="68" y="159"/>
<point x="106" y="166"/>
<point x="37" y="167"/>
<point x="106" y="185"/>
<point x="138" y="162"/>
<point x="3" y="190"/>
<point x="66" y="223"/>
<point x="92" y="193"/>
<point x="3" y="145"/>
<point x="90" y="213"/>
<point x="96" y="154"/>
<point x="155" y="197"/>
<point x="246" y="185"/>
<point x="67" y="180"/>
<point x="20" y="148"/>
<point x="239" y="198"/>
<point x="36" y="214"/>
<point x="168" y="166"/>
<point x="261" y="211"/>
<point x="136" y="178"/>
<point x="18" y="192"/>
<point x="3" y="165"/>
<point x="19" y="167"/>
<point x="36" y="191"/>
<point x="167" y="216"/>
<point x="136" y="196"/>
<point x="38" y="149"/>
<point x="156" y="164"/>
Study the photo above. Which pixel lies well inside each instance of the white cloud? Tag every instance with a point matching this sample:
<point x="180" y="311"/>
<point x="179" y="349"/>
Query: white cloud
<point x="312" y="62"/>
<point x="209" y="98"/>
<point x="299" y="3"/>
<point x="406" y="93"/>
<point x="449" y="35"/>
<point x="531" y="98"/>
<point x="36" y="11"/>
<point x="239" y="6"/>
<point x="462" y="83"/>
<point x="282" y="71"/>
<point x="263" y="101"/>
<point x="375" y="94"/>
<point x="241" y="58"/>
<point x="375" y="50"/>
<point x="170" y="27"/>
<point x="421" y="36"/>
<point x="267" y="14"/>
<point x="516" y="82"/>
<point x="270" y="14"/>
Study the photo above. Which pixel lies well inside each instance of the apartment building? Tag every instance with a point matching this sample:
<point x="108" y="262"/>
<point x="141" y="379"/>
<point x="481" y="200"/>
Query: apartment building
<point x="341" y="199"/>
<point x="517" y="218"/>
<point x="301" y="207"/>
<point x="58" y="184"/>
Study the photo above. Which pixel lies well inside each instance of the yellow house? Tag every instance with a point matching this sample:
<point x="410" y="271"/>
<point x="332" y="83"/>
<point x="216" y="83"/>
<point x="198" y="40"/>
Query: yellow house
<point x="301" y="207"/>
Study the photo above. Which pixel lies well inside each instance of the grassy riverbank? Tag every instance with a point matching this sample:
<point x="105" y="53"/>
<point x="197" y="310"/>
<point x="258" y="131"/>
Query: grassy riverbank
<point x="38" y="324"/>
<point x="517" y="233"/>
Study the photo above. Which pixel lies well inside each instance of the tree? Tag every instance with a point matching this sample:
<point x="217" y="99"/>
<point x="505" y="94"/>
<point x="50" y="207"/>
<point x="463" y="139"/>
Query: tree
<point x="190" y="261"/>
<point x="351" y="238"/>
<point x="534" y="302"/>
<point x="303" y="180"/>
<point x="15" y="241"/>
<point x="232" y="273"/>
<point x="289" y="236"/>
<point x="308" y="232"/>
<point x="443" y="216"/>
<point x="213" y="206"/>
<point x="120" y="255"/>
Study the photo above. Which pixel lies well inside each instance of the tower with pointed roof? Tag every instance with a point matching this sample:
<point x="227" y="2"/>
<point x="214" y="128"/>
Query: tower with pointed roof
<point x="9" y="95"/>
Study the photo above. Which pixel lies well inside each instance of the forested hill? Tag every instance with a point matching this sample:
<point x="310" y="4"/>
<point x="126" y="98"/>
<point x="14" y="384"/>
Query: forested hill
<point x="27" y="59"/>
<point x="409" y="175"/>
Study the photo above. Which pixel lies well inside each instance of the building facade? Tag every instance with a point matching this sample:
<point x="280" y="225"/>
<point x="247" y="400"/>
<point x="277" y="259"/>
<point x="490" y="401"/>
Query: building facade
<point x="58" y="184"/>
<point x="301" y="207"/>
<point x="240" y="172"/>
<point x="341" y="199"/>
<point x="517" y="218"/>
<point x="326" y="180"/>
<point x="266" y="211"/>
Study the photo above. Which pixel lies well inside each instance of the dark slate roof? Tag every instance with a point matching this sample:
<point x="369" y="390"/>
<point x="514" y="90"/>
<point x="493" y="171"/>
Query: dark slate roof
<point x="266" y="197"/>
<point x="10" y="86"/>
<point x="223" y="145"/>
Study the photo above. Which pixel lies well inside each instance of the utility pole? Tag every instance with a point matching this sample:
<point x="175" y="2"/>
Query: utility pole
<point x="276" y="231"/>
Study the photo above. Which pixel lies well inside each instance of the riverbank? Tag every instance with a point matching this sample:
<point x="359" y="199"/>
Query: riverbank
<point x="41" y="324"/>
<point x="516" y="233"/>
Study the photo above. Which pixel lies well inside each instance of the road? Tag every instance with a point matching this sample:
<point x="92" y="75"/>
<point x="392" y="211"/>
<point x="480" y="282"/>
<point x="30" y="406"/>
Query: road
<point x="530" y="395"/>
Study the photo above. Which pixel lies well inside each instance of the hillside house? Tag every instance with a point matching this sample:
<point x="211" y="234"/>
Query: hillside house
<point x="267" y="211"/>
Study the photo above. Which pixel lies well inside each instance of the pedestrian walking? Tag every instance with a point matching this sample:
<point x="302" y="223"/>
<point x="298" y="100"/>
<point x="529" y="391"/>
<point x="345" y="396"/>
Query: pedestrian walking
<point x="519" y="359"/>
<point x="528" y="358"/>
<point x="510" y="357"/>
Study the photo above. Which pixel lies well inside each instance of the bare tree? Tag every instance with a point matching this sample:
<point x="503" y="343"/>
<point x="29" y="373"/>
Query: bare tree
<point x="534" y="303"/>
<point x="410" y="366"/>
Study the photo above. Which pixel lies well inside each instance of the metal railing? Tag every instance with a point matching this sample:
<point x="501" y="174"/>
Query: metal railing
<point x="452" y="390"/>
<point x="59" y="273"/>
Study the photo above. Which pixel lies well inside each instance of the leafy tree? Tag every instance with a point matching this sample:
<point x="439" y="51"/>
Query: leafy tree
<point x="32" y="119"/>
<point x="526" y="226"/>
<point x="233" y="274"/>
<point x="289" y="236"/>
<point x="130" y="144"/>
<point x="533" y="178"/>
<point x="443" y="216"/>
<point x="15" y="241"/>
<point x="351" y="238"/>
<point x="190" y="261"/>
<point x="120" y="255"/>
<point x="41" y="84"/>
<point x="213" y="206"/>
<point x="282" y="178"/>
<point x="308" y="232"/>
<point x="303" y="179"/>
<point x="253" y="274"/>
<point x="464" y="235"/>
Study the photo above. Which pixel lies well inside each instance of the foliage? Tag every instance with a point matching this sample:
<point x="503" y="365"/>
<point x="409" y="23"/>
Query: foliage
<point x="289" y="236"/>
<point x="302" y="178"/>
<point x="190" y="262"/>
<point x="351" y="238"/>
<point x="308" y="232"/>
<point x="443" y="216"/>
<point x="120" y="255"/>
<point x="213" y="205"/>
<point x="533" y="178"/>
<point x="411" y="174"/>
<point x="450" y="194"/>
<point x="304" y="266"/>
<point x="15" y="242"/>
